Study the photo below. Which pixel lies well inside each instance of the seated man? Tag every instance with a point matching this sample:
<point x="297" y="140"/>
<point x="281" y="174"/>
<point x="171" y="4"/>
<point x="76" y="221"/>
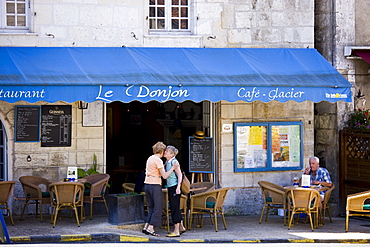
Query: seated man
<point x="319" y="176"/>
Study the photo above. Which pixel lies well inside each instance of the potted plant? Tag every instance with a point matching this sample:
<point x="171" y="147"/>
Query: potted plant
<point x="359" y="120"/>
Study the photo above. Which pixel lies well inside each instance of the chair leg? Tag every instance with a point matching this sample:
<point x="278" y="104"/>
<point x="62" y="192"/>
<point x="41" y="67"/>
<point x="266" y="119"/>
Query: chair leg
<point x="263" y="209"/>
<point x="310" y="217"/>
<point x="105" y="203"/>
<point x="347" y="219"/>
<point x="82" y="209"/>
<point x="290" y="220"/>
<point x="190" y="220"/>
<point x="91" y="209"/>
<point x="224" y="220"/>
<point x="331" y="221"/>
<point x="55" y="216"/>
<point x="24" y="207"/>
<point x="284" y="216"/>
<point x="76" y="215"/>
<point x="10" y="216"/>
<point x="41" y="219"/>
<point x="215" y="217"/>
<point x="267" y="212"/>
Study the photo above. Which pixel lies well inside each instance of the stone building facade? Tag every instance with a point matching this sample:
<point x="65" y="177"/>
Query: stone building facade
<point x="212" y="23"/>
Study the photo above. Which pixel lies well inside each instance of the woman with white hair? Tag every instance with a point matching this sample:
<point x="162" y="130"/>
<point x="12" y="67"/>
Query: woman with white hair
<point x="174" y="190"/>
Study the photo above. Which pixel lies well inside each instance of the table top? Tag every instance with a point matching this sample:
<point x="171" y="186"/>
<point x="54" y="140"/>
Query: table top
<point x="319" y="188"/>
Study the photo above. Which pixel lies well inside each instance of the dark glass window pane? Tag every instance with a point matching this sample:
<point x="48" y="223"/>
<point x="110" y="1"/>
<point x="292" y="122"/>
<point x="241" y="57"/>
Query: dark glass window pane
<point x="184" y="2"/>
<point x="160" y="12"/>
<point x="184" y="24"/>
<point x="152" y="24"/>
<point x="152" y="11"/>
<point x="10" y="21"/>
<point x="184" y="12"/>
<point x="21" y="21"/>
<point x="10" y="8"/>
<point x="160" y="2"/>
<point x="21" y="8"/>
<point x="175" y="2"/>
<point x="175" y="24"/>
<point x="175" y="12"/>
<point x="151" y="2"/>
<point x="160" y="23"/>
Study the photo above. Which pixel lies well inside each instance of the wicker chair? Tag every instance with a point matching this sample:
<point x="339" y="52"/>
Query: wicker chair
<point x="66" y="195"/>
<point x="210" y="202"/>
<point x="6" y="189"/>
<point x="36" y="191"/>
<point x="96" y="192"/>
<point x="325" y="204"/>
<point x="273" y="197"/>
<point x="302" y="200"/>
<point x="356" y="205"/>
<point x="128" y="187"/>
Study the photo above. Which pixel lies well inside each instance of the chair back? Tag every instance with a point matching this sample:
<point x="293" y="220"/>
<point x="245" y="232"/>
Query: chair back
<point x="128" y="187"/>
<point x="303" y="198"/>
<point x="6" y="189"/>
<point x="98" y="183"/>
<point x="208" y="186"/>
<point x="66" y="193"/>
<point x="32" y="186"/>
<point x="327" y="195"/>
<point x="221" y="196"/>
<point x="356" y="202"/>
<point x="271" y="192"/>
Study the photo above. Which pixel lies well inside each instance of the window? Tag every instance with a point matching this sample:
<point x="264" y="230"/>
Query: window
<point x="268" y="146"/>
<point x="169" y="15"/>
<point x="14" y="15"/>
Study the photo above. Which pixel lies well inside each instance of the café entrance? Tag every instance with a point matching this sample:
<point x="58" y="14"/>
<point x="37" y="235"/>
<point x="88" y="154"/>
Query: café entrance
<point x="133" y="128"/>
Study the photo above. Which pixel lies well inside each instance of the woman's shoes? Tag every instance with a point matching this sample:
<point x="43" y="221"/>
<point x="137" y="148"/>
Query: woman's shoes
<point x="145" y="231"/>
<point x="153" y="233"/>
<point x="172" y="234"/>
<point x="181" y="232"/>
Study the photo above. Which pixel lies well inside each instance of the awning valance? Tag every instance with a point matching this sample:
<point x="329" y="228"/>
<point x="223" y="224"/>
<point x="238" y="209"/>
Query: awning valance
<point x="144" y="74"/>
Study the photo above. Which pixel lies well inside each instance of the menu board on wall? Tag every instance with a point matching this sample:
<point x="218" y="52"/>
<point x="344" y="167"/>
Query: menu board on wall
<point x="201" y="155"/>
<point x="56" y="125"/>
<point x="27" y="123"/>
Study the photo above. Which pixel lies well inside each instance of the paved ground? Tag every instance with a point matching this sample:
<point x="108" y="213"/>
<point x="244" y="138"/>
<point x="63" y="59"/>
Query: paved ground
<point x="239" y="229"/>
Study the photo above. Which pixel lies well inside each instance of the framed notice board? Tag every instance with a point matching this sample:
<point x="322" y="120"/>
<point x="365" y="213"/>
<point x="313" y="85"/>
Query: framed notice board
<point x="27" y="123"/>
<point x="56" y="125"/>
<point x="201" y="155"/>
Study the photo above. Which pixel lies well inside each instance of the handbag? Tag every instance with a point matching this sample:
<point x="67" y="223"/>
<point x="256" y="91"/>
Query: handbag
<point x="185" y="184"/>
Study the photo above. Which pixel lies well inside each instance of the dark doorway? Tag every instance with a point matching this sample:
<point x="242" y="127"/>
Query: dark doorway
<point x="133" y="128"/>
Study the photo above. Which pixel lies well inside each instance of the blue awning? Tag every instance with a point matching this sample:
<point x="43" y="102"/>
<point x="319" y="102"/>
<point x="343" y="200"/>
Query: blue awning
<point x="125" y="74"/>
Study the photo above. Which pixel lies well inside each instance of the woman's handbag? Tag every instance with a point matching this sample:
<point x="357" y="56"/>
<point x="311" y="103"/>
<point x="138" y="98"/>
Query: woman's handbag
<point x="185" y="184"/>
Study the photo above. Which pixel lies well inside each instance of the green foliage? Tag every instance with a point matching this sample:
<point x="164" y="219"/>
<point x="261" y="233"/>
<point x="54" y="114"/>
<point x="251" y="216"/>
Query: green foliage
<point x="93" y="170"/>
<point x="359" y="119"/>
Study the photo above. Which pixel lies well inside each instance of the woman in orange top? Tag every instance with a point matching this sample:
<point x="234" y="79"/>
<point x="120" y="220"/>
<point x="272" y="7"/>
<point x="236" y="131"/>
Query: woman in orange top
<point x="153" y="187"/>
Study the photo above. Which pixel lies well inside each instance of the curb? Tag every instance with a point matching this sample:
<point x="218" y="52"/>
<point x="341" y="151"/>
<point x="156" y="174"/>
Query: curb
<point x="118" y="238"/>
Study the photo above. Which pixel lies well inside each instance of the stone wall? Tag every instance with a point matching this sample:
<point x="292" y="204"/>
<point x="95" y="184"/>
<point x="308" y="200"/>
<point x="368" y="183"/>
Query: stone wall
<point x="245" y="196"/>
<point x="216" y="23"/>
<point x="51" y="162"/>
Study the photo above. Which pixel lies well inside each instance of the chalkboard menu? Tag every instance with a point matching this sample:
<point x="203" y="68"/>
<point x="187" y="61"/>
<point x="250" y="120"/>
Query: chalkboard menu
<point x="201" y="155"/>
<point x="27" y="123"/>
<point x="56" y="125"/>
